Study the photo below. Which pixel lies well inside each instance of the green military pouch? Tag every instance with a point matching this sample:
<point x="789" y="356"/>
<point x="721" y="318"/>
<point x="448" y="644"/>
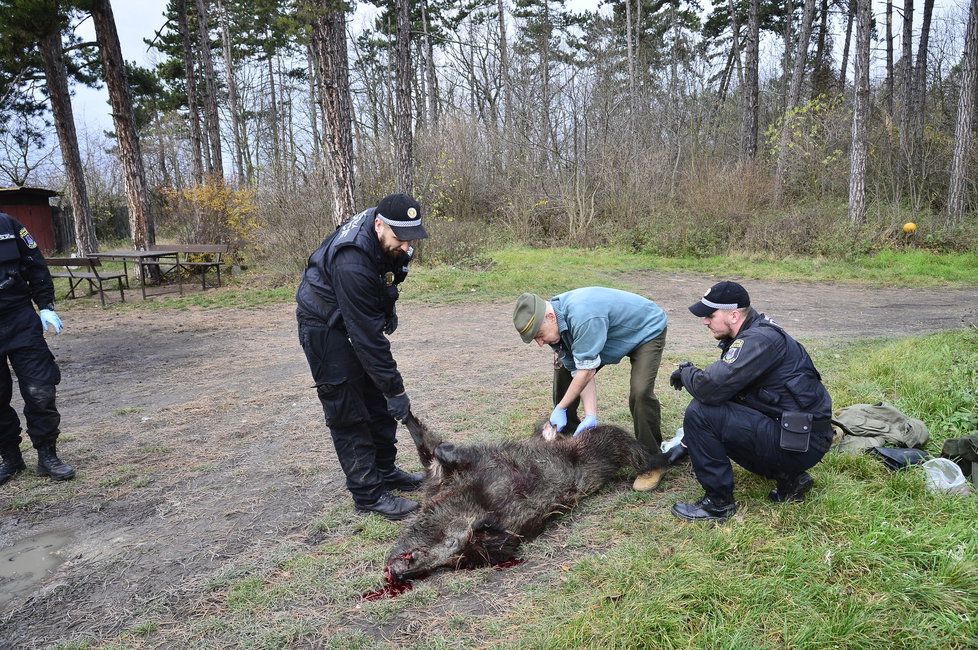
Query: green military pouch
<point x="796" y="431"/>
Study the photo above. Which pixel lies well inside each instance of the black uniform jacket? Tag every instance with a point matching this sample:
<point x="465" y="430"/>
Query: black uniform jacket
<point x="763" y="368"/>
<point x="24" y="274"/>
<point x="350" y="285"/>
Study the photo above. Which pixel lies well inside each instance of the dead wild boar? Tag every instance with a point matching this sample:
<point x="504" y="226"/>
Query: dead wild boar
<point x="483" y="500"/>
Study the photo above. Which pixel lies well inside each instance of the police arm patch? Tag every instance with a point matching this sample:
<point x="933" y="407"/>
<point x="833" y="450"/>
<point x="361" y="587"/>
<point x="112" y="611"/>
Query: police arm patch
<point x="733" y="351"/>
<point x="26" y="236"/>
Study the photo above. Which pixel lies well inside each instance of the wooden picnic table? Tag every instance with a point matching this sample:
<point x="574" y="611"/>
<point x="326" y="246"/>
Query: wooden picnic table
<point x="146" y="259"/>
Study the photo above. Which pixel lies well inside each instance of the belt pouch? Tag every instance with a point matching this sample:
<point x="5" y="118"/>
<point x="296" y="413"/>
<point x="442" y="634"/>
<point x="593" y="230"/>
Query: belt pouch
<point x="796" y="429"/>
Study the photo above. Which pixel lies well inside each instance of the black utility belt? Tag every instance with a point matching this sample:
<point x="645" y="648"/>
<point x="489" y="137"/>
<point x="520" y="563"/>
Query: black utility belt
<point x="797" y="428"/>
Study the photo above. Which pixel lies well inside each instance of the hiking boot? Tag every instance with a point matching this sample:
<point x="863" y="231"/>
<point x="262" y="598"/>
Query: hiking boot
<point x="396" y="478"/>
<point x="791" y="489"/>
<point x="706" y="509"/>
<point x="48" y="464"/>
<point x="13" y="462"/>
<point x="649" y="480"/>
<point x="389" y="506"/>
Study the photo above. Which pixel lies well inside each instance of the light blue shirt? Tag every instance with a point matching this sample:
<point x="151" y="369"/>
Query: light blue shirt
<point x="600" y="326"/>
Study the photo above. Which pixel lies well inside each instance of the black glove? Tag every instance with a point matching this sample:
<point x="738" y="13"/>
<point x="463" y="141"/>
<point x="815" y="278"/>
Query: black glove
<point x="399" y="406"/>
<point x="390" y="324"/>
<point x="676" y="378"/>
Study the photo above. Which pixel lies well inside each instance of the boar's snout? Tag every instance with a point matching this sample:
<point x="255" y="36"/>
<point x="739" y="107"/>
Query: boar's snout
<point x="399" y="566"/>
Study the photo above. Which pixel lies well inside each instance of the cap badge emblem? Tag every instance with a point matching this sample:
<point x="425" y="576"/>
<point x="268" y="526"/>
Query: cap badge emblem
<point x="411" y="212"/>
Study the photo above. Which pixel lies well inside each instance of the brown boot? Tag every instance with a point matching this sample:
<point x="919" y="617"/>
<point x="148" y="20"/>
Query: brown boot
<point x="649" y="480"/>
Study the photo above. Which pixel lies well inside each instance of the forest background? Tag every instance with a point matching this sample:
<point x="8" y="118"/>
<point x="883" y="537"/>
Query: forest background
<point x="812" y="128"/>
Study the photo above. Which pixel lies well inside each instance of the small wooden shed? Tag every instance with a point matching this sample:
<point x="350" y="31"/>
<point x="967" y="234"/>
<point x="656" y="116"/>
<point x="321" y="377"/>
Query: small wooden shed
<point x="31" y="207"/>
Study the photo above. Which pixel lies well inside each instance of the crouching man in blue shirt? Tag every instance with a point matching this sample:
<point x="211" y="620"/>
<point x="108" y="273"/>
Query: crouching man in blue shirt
<point x="593" y="327"/>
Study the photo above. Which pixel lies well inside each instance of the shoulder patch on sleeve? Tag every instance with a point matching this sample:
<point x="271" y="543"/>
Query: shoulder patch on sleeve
<point x="26" y="236"/>
<point x="733" y="351"/>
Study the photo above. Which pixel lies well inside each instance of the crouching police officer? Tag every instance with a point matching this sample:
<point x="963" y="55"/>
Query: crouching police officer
<point x="24" y="276"/>
<point x="762" y="405"/>
<point x="346" y="306"/>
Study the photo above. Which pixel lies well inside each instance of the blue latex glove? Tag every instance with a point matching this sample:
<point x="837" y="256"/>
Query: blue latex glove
<point x="589" y="422"/>
<point x="558" y="418"/>
<point x="48" y="317"/>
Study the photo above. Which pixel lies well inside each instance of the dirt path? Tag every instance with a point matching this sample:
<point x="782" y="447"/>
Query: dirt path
<point x="199" y="441"/>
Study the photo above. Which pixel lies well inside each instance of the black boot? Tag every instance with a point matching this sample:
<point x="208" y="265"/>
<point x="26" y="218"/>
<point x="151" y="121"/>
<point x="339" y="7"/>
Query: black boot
<point x="396" y="478"/>
<point x="389" y="506"/>
<point x="48" y="464"/>
<point x="13" y="462"/>
<point x="792" y="489"/>
<point x="706" y="509"/>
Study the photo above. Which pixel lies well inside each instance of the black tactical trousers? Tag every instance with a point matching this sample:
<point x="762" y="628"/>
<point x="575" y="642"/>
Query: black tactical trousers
<point x="23" y="347"/>
<point x="356" y="411"/>
<point x="717" y="434"/>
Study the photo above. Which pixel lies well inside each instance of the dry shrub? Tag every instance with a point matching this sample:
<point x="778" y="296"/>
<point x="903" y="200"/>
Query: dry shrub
<point x="729" y="193"/>
<point x="294" y="221"/>
<point x="212" y="213"/>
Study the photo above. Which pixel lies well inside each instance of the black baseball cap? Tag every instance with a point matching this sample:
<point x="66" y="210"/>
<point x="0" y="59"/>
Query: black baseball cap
<point x="722" y="295"/>
<point x="403" y="214"/>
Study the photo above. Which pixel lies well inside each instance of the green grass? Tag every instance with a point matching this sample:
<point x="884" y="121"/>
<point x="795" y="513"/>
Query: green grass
<point x="870" y="560"/>
<point x="509" y="271"/>
<point x="504" y="273"/>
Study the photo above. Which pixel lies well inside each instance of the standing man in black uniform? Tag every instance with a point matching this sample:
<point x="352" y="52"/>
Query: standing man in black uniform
<point x="762" y="405"/>
<point x="346" y="306"/>
<point x="24" y="277"/>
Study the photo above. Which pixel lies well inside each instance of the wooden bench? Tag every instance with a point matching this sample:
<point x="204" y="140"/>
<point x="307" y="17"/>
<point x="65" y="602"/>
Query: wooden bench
<point x="199" y="256"/>
<point x="81" y="269"/>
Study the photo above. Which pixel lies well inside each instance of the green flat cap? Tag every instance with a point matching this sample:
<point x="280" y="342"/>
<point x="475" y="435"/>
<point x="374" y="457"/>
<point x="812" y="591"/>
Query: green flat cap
<point x="529" y="314"/>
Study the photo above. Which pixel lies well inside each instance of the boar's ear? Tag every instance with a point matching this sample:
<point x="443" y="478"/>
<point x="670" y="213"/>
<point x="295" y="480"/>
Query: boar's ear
<point x="449" y="457"/>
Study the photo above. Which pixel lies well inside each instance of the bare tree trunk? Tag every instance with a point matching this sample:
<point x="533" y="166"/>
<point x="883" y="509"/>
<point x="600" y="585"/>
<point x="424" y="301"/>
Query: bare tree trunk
<point x="56" y="75"/>
<point x="631" y="59"/>
<point x="120" y="99"/>
<point x="845" y="51"/>
<point x="329" y="44"/>
<point x="750" y="81"/>
<point x="820" y="74"/>
<point x="273" y="118"/>
<point x="957" y="201"/>
<point x="210" y="101"/>
<point x="919" y="86"/>
<point x="234" y="104"/>
<point x="789" y="47"/>
<point x="314" y="85"/>
<point x="404" y="138"/>
<point x="794" y="97"/>
<point x="196" y="162"/>
<point x="860" y="117"/>
<point x="735" y="45"/>
<point x="906" y="68"/>
<point x="889" y="57"/>
<point x="504" y="75"/>
<point x="432" y="78"/>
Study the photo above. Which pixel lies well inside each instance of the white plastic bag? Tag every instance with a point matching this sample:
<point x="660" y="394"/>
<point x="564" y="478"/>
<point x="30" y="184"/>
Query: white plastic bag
<point x="672" y="442"/>
<point x="944" y="475"/>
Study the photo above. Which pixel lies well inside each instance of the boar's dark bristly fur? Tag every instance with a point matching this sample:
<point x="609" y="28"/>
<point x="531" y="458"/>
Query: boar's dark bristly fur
<point x="483" y="500"/>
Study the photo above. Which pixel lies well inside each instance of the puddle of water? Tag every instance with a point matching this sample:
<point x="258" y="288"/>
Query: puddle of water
<point x="25" y="564"/>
